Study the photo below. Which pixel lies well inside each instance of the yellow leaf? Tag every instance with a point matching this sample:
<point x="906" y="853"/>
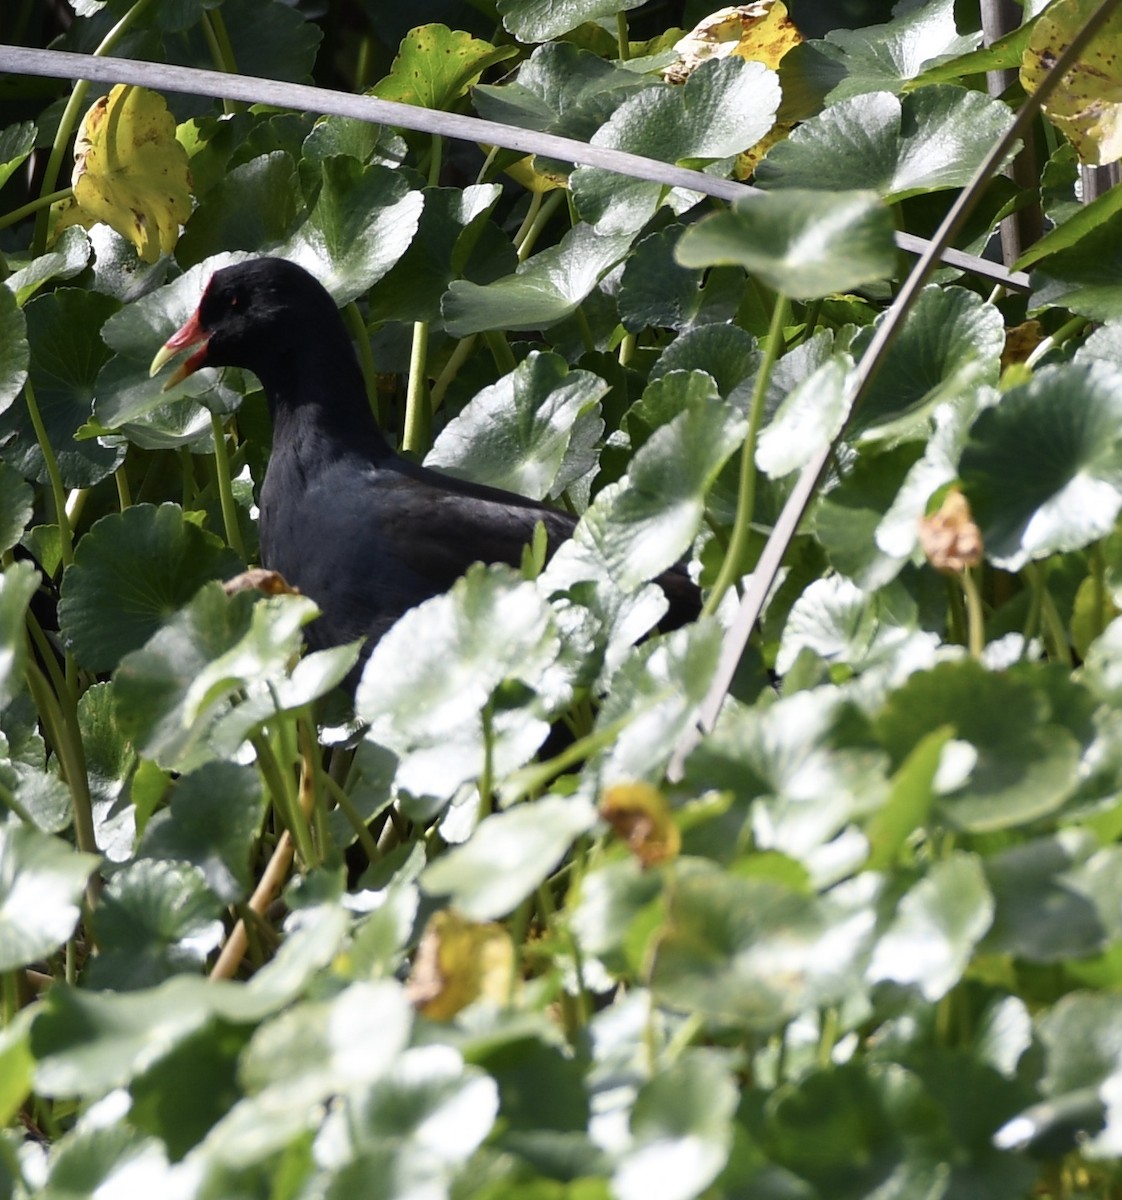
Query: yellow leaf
<point x="1087" y="105"/>
<point x="762" y="32"/>
<point x="523" y="172"/>
<point x="640" y="815"/>
<point x="130" y="172"/>
<point x="457" y="963"/>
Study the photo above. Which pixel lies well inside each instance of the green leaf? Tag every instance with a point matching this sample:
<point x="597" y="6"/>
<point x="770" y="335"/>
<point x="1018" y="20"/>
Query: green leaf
<point x="174" y="693"/>
<point x="516" y="433"/>
<point x="254" y="208"/>
<point x="17" y="585"/>
<point x="16" y="143"/>
<point x="909" y="801"/>
<point x="656" y="291"/>
<point x="153" y="920"/>
<point x="849" y="518"/>
<point x="17" y="1067"/>
<point x="67" y="353"/>
<point x="109" y="763"/>
<point x="1086" y="220"/>
<point x="435" y="66"/>
<point x="430" y="1104"/>
<point x="681" y="1129"/>
<point x="559" y="89"/>
<point x="1057" y="898"/>
<point x="68" y="256"/>
<point x="132" y="572"/>
<point x="427" y="682"/>
<point x="540" y="20"/>
<point x="886" y="57"/>
<point x="508" y="856"/>
<point x="803" y="244"/>
<point x="543" y="291"/>
<point x="212" y="821"/>
<point x="647" y="521"/>
<point x="1043" y="469"/>
<point x="722" y="932"/>
<point x="937" y="925"/>
<point x="931" y="140"/>
<point x="801" y="770"/>
<point x="724" y="107"/>
<point x="1084" y="277"/>
<point x="455" y="239"/>
<point x="362" y="222"/>
<point x="1008" y="764"/>
<point x="41" y="884"/>
<point x="950" y="345"/>
<point x="13" y="349"/>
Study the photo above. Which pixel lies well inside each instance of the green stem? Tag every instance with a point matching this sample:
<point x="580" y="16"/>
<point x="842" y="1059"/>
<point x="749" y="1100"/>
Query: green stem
<point x="735" y="560"/>
<point x="353" y="317"/>
<point x="226" y="488"/>
<point x="284" y="798"/>
<point x="69" y="119"/>
<point x="436" y="157"/>
<point x="524" y="242"/>
<point x="418" y="420"/>
<point x="975" y="615"/>
<point x="487" y="774"/>
<point x="622" y="37"/>
<point x="354" y="819"/>
<point x="33" y="206"/>
<point x="124" y="494"/>
<point x="528" y="780"/>
<point x="50" y="462"/>
<point x="456" y="360"/>
<point x="1066" y="331"/>
<point x="500" y="351"/>
<point x="60" y="720"/>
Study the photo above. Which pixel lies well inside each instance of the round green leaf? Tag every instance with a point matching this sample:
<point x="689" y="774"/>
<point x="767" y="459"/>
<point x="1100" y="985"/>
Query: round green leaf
<point x="508" y="856"/>
<point x="655" y="290"/>
<point x="363" y="221"/>
<point x="540" y="20"/>
<point x="1043" y="469"/>
<point x="1008" y="765"/>
<point x="64" y="332"/>
<point x="41" y="884"/>
<point x="932" y="139"/>
<point x="515" y="433"/>
<point x="723" y="107"/>
<point x="212" y="821"/>
<point x="13" y="349"/>
<point x="803" y="244"/>
<point x="543" y="291"/>
<point x="153" y="920"/>
<point x="17" y="585"/>
<point x="937" y="925"/>
<point x="131" y="573"/>
<point x="1084" y="277"/>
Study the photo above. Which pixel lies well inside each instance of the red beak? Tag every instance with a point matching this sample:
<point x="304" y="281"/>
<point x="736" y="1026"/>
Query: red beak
<point x="191" y="334"/>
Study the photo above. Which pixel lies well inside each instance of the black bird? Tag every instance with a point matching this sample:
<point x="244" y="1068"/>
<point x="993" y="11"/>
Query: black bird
<point x="365" y="533"/>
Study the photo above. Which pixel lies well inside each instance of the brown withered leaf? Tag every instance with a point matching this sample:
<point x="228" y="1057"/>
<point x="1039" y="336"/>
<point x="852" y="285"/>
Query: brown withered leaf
<point x="641" y="816"/>
<point x="949" y="537"/>
<point x="258" y="579"/>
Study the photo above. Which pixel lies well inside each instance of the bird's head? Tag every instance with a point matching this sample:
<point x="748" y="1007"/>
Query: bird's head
<point x="249" y="316"/>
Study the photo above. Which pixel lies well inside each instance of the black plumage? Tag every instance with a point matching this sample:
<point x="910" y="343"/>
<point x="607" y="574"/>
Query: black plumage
<point x="364" y="532"/>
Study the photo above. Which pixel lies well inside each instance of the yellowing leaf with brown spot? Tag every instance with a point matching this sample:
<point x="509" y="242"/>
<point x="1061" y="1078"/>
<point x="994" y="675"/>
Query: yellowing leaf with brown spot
<point x="641" y="816"/>
<point x="130" y="172"/>
<point x="1087" y="105"/>
<point x="532" y="180"/>
<point x="435" y="65"/>
<point x="457" y="963"/>
<point x="762" y="32"/>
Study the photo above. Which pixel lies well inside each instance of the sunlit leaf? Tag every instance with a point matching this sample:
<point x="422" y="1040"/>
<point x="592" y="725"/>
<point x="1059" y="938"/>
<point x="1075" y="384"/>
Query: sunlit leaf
<point x="1085" y="105"/>
<point x="130" y="171"/>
